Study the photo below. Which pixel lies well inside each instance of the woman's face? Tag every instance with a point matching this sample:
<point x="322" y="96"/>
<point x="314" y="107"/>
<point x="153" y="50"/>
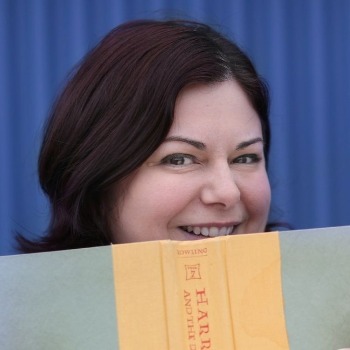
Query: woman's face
<point x="207" y="178"/>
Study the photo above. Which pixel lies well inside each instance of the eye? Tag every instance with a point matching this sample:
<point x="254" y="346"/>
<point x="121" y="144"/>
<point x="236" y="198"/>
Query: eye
<point x="178" y="159"/>
<point x="247" y="159"/>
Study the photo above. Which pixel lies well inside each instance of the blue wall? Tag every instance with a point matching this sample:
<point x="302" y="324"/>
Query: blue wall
<point x="301" y="47"/>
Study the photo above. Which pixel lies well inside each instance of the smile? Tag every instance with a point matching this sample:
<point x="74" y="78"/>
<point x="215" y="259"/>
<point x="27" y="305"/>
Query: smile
<point x="209" y="231"/>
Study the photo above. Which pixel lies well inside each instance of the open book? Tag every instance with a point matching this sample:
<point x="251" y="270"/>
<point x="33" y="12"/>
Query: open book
<point x="268" y="291"/>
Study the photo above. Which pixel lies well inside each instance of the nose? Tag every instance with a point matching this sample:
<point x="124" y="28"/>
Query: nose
<point x="220" y="187"/>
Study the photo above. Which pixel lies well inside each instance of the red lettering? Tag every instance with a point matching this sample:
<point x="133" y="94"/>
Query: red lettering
<point x="201" y="297"/>
<point x="206" y="344"/>
<point x="202" y="314"/>
<point x="203" y="329"/>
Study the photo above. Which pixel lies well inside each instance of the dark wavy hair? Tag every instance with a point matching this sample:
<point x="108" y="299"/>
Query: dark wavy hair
<point x="116" y="110"/>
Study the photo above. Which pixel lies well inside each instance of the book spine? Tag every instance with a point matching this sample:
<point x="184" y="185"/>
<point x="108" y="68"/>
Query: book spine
<point x="196" y="295"/>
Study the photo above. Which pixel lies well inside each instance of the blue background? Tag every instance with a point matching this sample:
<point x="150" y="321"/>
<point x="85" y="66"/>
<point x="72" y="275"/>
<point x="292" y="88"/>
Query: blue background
<point x="301" y="47"/>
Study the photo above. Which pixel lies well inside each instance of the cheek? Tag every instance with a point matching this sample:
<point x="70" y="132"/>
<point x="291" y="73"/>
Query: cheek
<point x="169" y="198"/>
<point x="160" y="197"/>
<point x="256" y="195"/>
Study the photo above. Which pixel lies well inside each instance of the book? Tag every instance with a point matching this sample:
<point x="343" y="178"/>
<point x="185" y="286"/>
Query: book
<point x="267" y="291"/>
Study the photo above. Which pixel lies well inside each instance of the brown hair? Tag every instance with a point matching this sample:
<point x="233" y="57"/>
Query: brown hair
<point x="117" y="109"/>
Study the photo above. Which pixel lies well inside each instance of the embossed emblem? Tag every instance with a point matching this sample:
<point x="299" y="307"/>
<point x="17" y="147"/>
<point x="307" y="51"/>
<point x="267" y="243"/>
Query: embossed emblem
<point x="193" y="272"/>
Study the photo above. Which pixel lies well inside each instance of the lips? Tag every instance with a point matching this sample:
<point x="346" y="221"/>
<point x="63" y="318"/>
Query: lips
<point x="209" y="231"/>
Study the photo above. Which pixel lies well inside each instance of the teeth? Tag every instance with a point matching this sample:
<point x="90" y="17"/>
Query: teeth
<point x="213" y="232"/>
<point x="197" y="230"/>
<point x="209" y="231"/>
<point x="223" y="231"/>
<point x="205" y="231"/>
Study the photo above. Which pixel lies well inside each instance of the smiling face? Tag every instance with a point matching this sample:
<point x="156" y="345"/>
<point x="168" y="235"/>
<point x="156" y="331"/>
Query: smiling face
<point x="207" y="178"/>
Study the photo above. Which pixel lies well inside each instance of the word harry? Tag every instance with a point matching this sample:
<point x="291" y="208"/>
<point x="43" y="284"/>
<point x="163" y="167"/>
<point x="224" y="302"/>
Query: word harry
<point x="197" y="321"/>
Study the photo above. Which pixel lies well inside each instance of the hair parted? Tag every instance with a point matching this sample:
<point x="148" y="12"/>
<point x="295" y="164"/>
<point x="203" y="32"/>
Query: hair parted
<point x="116" y="110"/>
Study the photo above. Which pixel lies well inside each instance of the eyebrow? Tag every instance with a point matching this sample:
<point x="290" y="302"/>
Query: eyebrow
<point x="197" y="144"/>
<point x="245" y="144"/>
<point x="201" y="146"/>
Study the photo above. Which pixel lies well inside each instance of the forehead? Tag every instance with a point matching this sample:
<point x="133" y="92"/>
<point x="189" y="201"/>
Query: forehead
<point x="216" y="107"/>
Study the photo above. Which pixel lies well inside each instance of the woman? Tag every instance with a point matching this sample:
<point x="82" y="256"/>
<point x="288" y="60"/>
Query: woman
<point x="161" y="133"/>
